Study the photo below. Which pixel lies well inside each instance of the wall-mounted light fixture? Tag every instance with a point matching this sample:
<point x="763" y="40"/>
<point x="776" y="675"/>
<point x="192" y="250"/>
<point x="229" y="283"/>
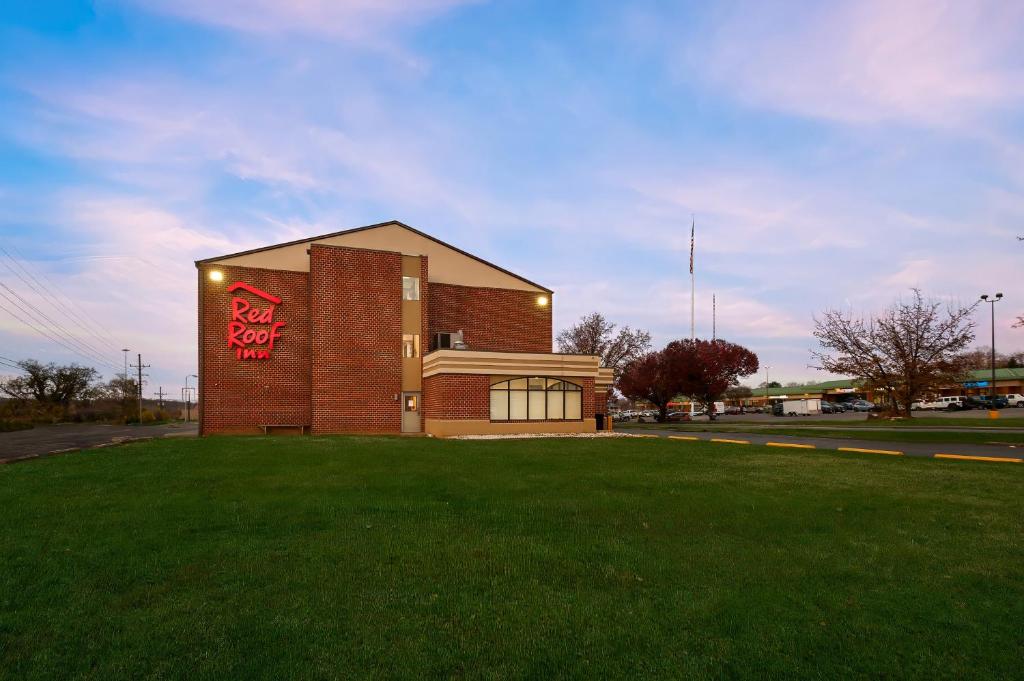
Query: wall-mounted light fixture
<point x="542" y="301"/>
<point x="216" y="275"/>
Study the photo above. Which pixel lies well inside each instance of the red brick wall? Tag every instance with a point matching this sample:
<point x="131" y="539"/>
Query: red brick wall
<point x="357" y="339"/>
<point x="588" y="396"/>
<point x="490" y="318"/>
<point x="457" y="396"/>
<point x="241" y="395"/>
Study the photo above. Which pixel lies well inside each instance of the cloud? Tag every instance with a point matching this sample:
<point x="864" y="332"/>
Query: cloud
<point x="354" y="20"/>
<point x="937" y="62"/>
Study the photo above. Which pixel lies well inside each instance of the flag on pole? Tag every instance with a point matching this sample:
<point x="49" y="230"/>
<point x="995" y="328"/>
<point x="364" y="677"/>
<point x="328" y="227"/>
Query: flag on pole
<point x="691" y="244"/>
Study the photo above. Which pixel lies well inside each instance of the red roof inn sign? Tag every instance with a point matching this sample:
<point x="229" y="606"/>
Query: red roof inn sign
<point x="251" y="326"/>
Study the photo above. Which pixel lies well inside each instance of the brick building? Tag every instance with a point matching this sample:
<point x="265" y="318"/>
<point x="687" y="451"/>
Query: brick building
<point x="384" y="329"/>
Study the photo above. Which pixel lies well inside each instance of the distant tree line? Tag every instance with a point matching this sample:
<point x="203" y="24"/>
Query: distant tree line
<point x="54" y="393"/>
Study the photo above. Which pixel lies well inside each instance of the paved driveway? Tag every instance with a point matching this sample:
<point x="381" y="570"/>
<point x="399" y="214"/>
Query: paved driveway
<point x="920" y="449"/>
<point x="43" y="440"/>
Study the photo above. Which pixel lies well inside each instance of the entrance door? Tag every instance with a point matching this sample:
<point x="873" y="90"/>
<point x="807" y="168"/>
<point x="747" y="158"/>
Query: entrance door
<point x="410" y="412"/>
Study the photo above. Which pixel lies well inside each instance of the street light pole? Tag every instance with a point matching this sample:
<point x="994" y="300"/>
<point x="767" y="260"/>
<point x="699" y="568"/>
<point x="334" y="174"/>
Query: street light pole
<point x="188" y="398"/>
<point x="766" y="385"/>
<point x="992" y="388"/>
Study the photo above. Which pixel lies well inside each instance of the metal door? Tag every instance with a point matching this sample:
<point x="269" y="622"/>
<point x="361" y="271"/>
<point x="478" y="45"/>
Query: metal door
<point x="410" y="412"/>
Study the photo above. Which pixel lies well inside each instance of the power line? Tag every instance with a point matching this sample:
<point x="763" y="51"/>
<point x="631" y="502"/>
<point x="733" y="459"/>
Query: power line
<point x="40" y="312"/>
<point x="90" y="351"/>
<point x="41" y="332"/>
<point x="53" y="329"/>
<point x="67" y="310"/>
<point x="70" y="309"/>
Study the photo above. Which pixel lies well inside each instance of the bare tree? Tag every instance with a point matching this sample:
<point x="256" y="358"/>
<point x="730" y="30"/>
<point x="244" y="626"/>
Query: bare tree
<point x="911" y="349"/>
<point x="50" y="383"/>
<point x="594" y="335"/>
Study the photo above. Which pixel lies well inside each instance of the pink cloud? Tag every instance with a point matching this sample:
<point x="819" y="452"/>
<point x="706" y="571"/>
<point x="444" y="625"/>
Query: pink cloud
<point x="938" y="62"/>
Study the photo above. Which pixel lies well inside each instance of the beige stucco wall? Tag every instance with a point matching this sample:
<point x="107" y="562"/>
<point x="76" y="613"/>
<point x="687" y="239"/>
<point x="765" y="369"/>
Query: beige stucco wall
<point x="443" y="428"/>
<point x="447" y="266"/>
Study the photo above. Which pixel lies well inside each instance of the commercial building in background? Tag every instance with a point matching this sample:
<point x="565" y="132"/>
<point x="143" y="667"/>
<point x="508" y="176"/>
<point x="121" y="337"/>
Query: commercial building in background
<point x="1008" y="382"/>
<point x="384" y="329"/>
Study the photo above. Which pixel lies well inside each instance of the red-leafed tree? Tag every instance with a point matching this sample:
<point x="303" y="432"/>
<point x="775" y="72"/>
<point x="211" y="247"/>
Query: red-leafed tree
<point x="705" y="370"/>
<point x="653" y="377"/>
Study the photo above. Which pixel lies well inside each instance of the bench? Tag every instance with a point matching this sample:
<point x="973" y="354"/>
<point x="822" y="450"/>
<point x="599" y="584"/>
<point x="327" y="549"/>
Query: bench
<point x="269" y="427"/>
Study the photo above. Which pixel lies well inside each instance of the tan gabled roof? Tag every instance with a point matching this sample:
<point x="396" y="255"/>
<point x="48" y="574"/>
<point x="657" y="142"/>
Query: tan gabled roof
<point x="447" y="264"/>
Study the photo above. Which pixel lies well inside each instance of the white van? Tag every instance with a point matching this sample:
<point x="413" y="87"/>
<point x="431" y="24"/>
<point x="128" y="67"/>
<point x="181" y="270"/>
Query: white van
<point x="1014" y="400"/>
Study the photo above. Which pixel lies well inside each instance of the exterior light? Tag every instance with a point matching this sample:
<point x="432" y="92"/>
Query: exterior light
<point x="542" y="301"/>
<point x="216" y="275"/>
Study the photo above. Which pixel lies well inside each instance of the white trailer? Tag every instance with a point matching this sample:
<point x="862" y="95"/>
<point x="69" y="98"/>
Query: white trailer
<point x="801" y="407"/>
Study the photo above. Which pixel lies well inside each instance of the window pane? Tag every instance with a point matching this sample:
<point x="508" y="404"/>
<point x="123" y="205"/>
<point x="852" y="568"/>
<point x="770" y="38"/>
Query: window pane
<point x="536" y="383"/>
<point x="517" y="409"/>
<point x="410" y="345"/>
<point x="501" y="384"/>
<point x="571" y="386"/>
<point x="499" y="405"/>
<point x="555" y="410"/>
<point x="410" y="403"/>
<point x="537" y="402"/>
<point x="517" y="383"/>
<point x="554" y="384"/>
<point x="574" y="405"/>
<point x="410" y="288"/>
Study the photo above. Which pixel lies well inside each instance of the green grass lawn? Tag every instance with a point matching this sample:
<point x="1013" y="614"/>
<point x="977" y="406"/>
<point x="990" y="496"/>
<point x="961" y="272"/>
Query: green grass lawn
<point x="839" y="430"/>
<point x="235" y="558"/>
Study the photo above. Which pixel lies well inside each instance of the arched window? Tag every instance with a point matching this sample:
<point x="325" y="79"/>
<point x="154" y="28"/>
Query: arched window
<point x="536" y="399"/>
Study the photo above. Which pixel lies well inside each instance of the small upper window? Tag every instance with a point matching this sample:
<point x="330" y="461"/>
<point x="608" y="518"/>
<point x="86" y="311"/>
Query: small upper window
<point x="410" y="345"/>
<point x="410" y="288"/>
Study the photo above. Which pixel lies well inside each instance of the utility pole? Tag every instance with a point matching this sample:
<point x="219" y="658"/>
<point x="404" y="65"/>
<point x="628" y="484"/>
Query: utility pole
<point x="140" y="366"/>
<point x="160" y="397"/>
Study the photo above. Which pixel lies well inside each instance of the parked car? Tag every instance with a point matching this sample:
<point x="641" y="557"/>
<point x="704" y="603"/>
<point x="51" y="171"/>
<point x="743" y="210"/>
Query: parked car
<point x="827" y="408"/>
<point x="1015" y="400"/>
<point x="732" y="410"/>
<point x="986" y="402"/>
<point x="862" y="405"/>
<point x="678" y="416"/>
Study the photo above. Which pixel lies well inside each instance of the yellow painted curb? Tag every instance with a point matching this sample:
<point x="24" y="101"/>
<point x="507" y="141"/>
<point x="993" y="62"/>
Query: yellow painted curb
<point x="731" y="442"/>
<point x="870" y="451"/>
<point x="977" y="458"/>
<point x="788" y="444"/>
<point x="683" y="437"/>
<point x="642" y="435"/>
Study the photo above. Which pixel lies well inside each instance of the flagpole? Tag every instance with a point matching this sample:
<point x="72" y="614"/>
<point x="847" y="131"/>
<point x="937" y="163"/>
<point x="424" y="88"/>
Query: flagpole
<point x="714" y="317"/>
<point x="693" y="289"/>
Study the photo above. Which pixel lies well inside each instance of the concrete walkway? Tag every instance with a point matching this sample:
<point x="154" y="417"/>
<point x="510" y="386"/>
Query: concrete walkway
<point x="917" y="449"/>
<point x="64" y="437"/>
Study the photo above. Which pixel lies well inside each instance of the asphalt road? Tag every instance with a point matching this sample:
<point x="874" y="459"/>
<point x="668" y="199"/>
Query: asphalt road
<point x="44" y="440"/>
<point x="916" y="449"/>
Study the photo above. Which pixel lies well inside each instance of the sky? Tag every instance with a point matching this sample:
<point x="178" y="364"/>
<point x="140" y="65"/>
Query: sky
<point x="831" y="155"/>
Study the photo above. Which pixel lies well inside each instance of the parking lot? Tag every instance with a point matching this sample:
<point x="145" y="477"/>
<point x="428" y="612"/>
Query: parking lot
<point x="849" y="416"/>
